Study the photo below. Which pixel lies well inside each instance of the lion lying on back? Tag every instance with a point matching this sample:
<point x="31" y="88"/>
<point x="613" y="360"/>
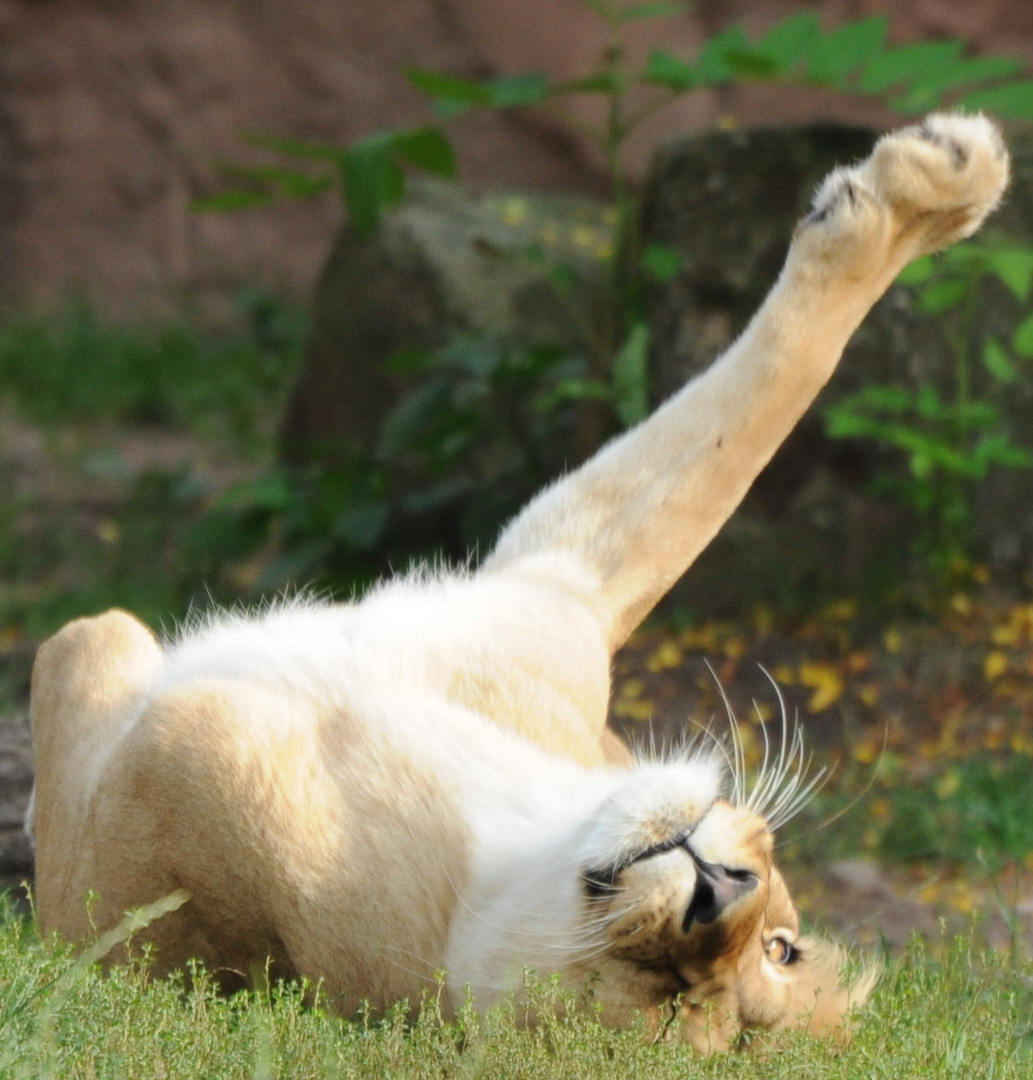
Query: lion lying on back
<point x="371" y="794"/>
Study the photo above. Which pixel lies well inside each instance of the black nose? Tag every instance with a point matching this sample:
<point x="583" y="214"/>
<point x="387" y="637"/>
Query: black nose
<point x="716" y="888"/>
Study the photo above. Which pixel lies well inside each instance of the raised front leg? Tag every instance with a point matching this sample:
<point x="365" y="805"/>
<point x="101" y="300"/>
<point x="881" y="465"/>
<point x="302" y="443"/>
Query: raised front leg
<point x="637" y="514"/>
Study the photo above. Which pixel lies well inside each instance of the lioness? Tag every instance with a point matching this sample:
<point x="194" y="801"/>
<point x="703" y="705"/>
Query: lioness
<point x="369" y="794"/>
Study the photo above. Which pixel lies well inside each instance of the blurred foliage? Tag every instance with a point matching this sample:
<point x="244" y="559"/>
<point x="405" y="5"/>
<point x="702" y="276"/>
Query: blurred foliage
<point x="950" y="440"/>
<point x="976" y="808"/>
<point x="83" y="525"/>
<point x="73" y="366"/>
<point x="457" y="457"/>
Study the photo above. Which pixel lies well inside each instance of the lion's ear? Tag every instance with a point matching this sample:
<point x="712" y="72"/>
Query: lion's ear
<point x="821" y="1001"/>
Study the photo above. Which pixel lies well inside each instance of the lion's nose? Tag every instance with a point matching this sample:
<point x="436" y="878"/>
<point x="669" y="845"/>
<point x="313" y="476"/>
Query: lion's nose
<point x="716" y="888"/>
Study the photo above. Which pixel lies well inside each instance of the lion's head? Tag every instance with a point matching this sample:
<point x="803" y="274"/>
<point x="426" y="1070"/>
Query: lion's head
<point x="691" y="923"/>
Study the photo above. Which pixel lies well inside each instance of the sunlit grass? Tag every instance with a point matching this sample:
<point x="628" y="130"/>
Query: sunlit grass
<point x="965" y="1015"/>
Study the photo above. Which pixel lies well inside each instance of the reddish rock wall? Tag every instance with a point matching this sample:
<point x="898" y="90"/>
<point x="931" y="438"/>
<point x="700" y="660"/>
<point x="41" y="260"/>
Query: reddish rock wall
<point x="112" y="112"/>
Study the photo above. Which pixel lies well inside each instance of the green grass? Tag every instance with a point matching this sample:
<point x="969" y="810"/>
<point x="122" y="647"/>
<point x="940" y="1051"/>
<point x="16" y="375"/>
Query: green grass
<point x="977" y="805"/>
<point x="959" y="1016"/>
<point x="971" y="811"/>
<point x="73" y="367"/>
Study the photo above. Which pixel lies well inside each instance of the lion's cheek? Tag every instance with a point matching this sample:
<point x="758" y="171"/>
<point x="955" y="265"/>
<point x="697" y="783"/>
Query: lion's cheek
<point x="764" y="997"/>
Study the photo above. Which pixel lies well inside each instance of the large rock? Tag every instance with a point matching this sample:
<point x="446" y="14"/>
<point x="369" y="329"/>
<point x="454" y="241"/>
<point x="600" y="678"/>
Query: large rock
<point x="448" y="262"/>
<point x="810" y="527"/>
<point x="727" y="202"/>
<point x="448" y="266"/>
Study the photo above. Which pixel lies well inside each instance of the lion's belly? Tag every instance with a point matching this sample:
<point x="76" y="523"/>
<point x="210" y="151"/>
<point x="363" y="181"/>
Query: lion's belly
<point x="514" y="647"/>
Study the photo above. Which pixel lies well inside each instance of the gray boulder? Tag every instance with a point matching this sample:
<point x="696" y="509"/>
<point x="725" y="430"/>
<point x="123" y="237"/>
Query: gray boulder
<point x="16" y="858"/>
<point x="448" y="262"/>
<point x="810" y="527"/>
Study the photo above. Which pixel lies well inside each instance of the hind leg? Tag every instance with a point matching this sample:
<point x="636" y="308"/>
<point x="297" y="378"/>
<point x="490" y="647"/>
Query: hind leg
<point x="634" y="517"/>
<point x="89" y="683"/>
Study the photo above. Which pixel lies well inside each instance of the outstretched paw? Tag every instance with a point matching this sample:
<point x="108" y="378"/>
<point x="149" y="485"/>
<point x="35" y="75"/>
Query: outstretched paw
<point x="941" y="178"/>
<point x="923" y="188"/>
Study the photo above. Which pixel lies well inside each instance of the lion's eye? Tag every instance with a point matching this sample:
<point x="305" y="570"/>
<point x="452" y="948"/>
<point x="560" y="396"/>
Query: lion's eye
<point x="781" y="951"/>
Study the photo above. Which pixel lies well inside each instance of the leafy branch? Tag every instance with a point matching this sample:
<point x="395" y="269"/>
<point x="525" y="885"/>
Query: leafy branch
<point x="852" y="58"/>
<point x="949" y="440"/>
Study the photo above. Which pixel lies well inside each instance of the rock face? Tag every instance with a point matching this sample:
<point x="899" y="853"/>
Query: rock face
<point x="727" y="202"/>
<point x="809" y="527"/>
<point x="113" y="115"/>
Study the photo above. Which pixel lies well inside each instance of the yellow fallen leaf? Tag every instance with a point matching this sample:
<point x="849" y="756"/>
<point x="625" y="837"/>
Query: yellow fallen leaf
<point x="892" y="640"/>
<point x="841" y="609"/>
<point x="948" y="784"/>
<point x="995" y="665"/>
<point x="1005" y="634"/>
<point x="1022" y="744"/>
<point x="668" y="655"/>
<point x="866" y="752"/>
<point x="733" y="648"/>
<point x="964" y="902"/>
<point x="784" y="674"/>
<point x="826" y="683"/>
<point x="869" y="694"/>
<point x="929" y="893"/>
<point x="634" y="709"/>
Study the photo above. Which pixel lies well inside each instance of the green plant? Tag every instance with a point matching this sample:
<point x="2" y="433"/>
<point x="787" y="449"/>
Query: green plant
<point x="976" y="808"/>
<point x="852" y="58"/>
<point x="949" y="438"/>
<point x="467" y="445"/>
<point x="75" y="366"/>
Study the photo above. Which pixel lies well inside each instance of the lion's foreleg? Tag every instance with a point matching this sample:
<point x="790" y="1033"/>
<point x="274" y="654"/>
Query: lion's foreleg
<point x="639" y="513"/>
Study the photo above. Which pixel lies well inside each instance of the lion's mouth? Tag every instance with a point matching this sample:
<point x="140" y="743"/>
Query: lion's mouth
<point x="716" y="887"/>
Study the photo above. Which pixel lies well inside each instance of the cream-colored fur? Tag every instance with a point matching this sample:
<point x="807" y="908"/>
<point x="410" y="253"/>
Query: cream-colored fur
<point x="371" y="794"/>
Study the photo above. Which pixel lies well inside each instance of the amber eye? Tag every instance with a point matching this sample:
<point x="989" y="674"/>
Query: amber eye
<point x="781" y="951"/>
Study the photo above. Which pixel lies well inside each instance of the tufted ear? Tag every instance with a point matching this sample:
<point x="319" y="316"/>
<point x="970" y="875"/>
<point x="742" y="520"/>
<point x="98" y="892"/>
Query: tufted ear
<point x="821" y="1002"/>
